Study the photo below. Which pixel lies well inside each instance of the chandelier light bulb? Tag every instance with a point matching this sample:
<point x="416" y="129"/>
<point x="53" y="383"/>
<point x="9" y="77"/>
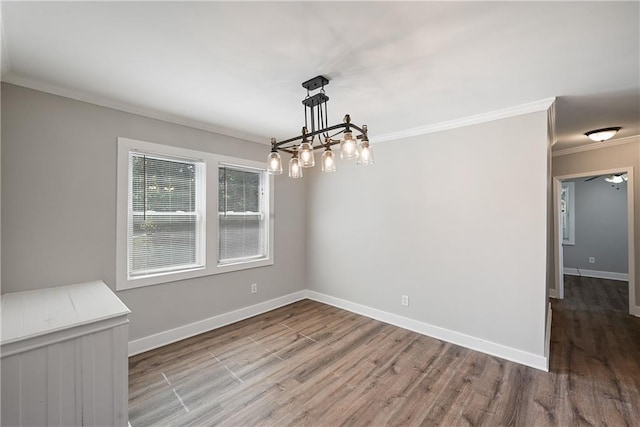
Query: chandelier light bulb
<point x="365" y="156"/>
<point x="348" y="147"/>
<point x="328" y="161"/>
<point x="307" y="159"/>
<point x="274" y="163"/>
<point x="295" y="168"/>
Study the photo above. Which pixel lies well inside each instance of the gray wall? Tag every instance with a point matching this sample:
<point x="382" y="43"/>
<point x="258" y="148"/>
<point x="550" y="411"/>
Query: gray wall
<point x="59" y="209"/>
<point x="604" y="159"/>
<point x="439" y="218"/>
<point x="600" y="227"/>
<point x="456" y="220"/>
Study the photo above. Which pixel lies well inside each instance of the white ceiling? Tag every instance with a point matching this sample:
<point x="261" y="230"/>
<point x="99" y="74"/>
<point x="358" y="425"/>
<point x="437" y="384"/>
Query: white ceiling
<point x="237" y="67"/>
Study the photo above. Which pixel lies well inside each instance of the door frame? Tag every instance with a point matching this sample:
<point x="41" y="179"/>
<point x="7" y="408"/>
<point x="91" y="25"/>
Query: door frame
<point x="558" y="255"/>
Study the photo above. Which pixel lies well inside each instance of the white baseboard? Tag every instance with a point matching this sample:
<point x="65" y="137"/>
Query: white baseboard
<point x="553" y="293"/>
<point x="473" y="343"/>
<point x="596" y="274"/>
<point x="547" y="344"/>
<point x="172" y="335"/>
<point x="167" y="337"/>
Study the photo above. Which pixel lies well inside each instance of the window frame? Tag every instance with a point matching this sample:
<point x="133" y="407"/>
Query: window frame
<point x="210" y="254"/>
<point x="264" y="214"/>
<point x="198" y="212"/>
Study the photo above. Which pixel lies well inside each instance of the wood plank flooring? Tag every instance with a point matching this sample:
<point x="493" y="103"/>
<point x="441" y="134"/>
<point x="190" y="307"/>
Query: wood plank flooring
<point x="310" y="364"/>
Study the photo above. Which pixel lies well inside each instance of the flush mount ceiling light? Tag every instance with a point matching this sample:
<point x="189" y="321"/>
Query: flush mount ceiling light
<point x="601" y="135"/>
<point x="317" y="134"/>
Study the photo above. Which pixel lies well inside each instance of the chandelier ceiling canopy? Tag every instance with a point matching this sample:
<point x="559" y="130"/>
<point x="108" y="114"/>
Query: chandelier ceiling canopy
<point x="317" y="134"/>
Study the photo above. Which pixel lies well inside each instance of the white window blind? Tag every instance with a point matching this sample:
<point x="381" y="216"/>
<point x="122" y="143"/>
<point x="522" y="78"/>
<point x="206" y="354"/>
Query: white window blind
<point x="242" y="233"/>
<point x="166" y="214"/>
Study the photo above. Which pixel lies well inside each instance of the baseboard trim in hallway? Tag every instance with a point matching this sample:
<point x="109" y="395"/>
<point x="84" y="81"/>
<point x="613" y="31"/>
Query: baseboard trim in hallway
<point x="596" y="274"/>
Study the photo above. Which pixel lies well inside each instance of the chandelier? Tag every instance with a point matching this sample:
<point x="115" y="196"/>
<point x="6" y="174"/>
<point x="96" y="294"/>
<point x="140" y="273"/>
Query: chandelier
<point x="316" y="134"/>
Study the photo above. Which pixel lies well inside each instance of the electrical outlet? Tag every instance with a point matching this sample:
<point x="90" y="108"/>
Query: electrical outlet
<point x="254" y="288"/>
<point x="405" y="300"/>
<point x="592" y="260"/>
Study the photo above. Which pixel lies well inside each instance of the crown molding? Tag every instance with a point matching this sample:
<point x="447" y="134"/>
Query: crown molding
<point x="596" y="145"/>
<point x="128" y="108"/>
<point x="531" y="107"/>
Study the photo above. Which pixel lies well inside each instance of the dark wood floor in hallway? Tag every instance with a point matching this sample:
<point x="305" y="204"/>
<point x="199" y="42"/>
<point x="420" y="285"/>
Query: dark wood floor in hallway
<point x="312" y="364"/>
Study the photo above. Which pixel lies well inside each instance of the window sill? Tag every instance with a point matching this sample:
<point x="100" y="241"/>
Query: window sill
<point x="243" y="265"/>
<point x="159" y="279"/>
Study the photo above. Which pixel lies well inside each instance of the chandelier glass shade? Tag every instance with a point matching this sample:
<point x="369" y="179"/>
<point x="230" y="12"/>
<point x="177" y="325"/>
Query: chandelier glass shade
<point x="365" y="154"/>
<point x="274" y="163"/>
<point x="295" y="166"/>
<point x="317" y="134"/>
<point x="307" y="159"/>
<point x="328" y="161"/>
<point x="348" y="147"/>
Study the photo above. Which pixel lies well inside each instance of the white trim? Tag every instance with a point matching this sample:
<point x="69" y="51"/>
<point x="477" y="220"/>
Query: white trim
<point x="129" y="108"/>
<point x="267" y="208"/>
<point x="597" y="274"/>
<point x="634" y="309"/>
<point x="160" y="339"/>
<point x="551" y="117"/>
<point x="558" y="292"/>
<point x="571" y="212"/>
<point x="547" y="344"/>
<point x="621" y="169"/>
<point x="504" y="113"/>
<point x="473" y="343"/>
<point x="531" y="107"/>
<point x="58" y="336"/>
<point x="596" y="146"/>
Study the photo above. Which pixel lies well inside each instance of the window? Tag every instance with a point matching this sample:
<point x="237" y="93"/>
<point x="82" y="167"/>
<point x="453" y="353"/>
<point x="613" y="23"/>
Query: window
<point x="166" y="215"/>
<point x="184" y="214"/>
<point x="241" y="215"/>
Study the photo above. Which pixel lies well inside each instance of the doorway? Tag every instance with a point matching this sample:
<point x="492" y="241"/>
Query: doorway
<point x="559" y="235"/>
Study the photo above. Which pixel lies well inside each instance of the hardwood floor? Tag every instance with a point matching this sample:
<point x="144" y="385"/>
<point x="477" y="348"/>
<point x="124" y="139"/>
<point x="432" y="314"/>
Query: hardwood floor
<point x="312" y="364"/>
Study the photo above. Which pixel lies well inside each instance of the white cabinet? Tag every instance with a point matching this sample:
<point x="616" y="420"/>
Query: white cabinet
<point x="64" y="357"/>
